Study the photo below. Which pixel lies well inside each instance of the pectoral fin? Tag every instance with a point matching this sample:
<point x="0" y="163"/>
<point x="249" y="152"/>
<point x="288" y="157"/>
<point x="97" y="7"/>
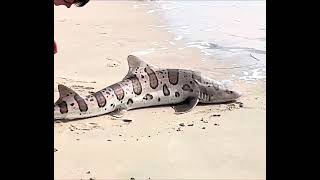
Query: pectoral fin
<point x="186" y="106"/>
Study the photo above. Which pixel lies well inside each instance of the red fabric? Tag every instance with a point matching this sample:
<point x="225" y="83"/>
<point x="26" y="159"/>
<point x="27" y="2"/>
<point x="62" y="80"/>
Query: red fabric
<point x="55" y="47"/>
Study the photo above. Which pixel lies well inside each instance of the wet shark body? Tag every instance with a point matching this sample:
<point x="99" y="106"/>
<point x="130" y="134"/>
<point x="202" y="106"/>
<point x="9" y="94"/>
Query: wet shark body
<point x="144" y="86"/>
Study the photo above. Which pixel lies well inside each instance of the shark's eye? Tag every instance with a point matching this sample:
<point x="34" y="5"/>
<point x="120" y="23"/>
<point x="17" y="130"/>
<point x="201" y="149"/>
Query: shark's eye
<point x="229" y="92"/>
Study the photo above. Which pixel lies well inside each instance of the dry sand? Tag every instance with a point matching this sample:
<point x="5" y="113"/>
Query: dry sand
<point x="216" y="142"/>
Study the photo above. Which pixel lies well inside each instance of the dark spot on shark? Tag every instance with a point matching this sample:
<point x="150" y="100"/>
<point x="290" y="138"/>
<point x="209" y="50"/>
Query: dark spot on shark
<point x="166" y="91"/>
<point x="152" y="77"/>
<point x="100" y="99"/>
<point x="173" y="75"/>
<point x="142" y="76"/>
<point x="159" y="99"/>
<point x="71" y="104"/>
<point x="229" y="92"/>
<point x="67" y="94"/>
<point x="190" y="82"/>
<point x="63" y="107"/>
<point x="81" y="103"/>
<point x="91" y="99"/>
<point x="118" y="91"/>
<point x="130" y="101"/>
<point x="148" y="97"/>
<point x="177" y="94"/>
<point x="136" y="85"/>
<point x="186" y="87"/>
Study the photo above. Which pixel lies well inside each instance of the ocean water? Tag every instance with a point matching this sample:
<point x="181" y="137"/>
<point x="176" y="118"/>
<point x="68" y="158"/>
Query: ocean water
<point x="233" y="32"/>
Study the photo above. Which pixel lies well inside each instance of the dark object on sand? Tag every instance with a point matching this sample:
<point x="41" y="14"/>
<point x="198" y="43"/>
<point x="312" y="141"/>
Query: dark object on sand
<point x="127" y="120"/>
<point x="215" y="115"/>
<point x="55" y="150"/>
<point x="181" y="124"/>
<point x="190" y="124"/>
<point x="203" y="127"/>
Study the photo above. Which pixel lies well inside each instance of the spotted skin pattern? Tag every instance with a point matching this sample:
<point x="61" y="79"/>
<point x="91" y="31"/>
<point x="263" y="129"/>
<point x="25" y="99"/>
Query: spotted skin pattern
<point x="143" y="86"/>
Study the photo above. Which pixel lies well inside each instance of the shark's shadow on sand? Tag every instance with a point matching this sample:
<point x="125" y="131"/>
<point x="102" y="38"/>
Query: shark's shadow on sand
<point x="141" y="108"/>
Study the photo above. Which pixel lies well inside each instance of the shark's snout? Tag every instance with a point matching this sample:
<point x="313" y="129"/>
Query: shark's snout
<point x="237" y="94"/>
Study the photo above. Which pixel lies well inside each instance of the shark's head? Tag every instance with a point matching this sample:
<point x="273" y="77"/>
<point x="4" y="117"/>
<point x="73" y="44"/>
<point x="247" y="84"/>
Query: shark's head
<point x="217" y="93"/>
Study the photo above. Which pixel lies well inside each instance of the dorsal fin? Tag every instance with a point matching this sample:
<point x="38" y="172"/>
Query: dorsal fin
<point x="135" y="63"/>
<point x="64" y="91"/>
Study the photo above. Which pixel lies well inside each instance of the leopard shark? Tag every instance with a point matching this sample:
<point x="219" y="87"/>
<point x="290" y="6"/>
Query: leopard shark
<point x="144" y="86"/>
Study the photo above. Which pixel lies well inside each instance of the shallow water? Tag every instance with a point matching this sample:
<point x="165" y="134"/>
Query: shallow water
<point x="232" y="32"/>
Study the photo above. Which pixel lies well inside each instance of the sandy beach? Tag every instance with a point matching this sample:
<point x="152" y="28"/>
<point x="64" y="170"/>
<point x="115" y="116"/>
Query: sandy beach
<point x="226" y="141"/>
